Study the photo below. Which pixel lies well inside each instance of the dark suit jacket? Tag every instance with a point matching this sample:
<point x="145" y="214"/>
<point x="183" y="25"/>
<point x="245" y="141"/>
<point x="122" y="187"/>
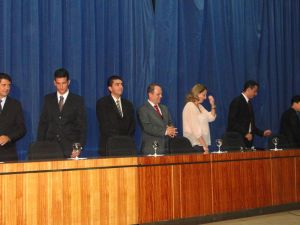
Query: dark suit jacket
<point x="110" y="121"/>
<point x="154" y="128"/>
<point x="66" y="127"/>
<point x="239" y="117"/>
<point x="290" y="127"/>
<point x="11" y="124"/>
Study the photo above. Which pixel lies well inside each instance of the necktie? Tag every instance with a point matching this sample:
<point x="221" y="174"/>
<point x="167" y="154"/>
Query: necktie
<point x="157" y="110"/>
<point x="61" y="103"/>
<point x="119" y="108"/>
<point x="0" y="106"/>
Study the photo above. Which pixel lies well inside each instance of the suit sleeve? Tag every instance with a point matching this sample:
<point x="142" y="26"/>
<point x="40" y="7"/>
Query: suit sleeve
<point x="132" y="121"/>
<point x="147" y="125"/>
<point x="292" y="128"/>
<point x="81" y="121"/>
<point x="170" y="123"/>
<point x="105" y="124"/>
<point x="19" y="130"/>
<point x="43" y="123"/>
<point x="233" y="124"/>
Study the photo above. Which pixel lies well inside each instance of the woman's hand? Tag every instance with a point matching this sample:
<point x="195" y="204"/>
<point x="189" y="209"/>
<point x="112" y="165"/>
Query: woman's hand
<point x="211" y="101"/>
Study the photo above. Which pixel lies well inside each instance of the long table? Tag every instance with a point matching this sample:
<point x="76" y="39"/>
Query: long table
<point x="134" y="190"/>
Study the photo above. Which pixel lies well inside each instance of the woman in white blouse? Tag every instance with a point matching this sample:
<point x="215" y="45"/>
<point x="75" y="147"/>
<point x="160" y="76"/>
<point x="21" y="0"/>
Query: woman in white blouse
<point x="196" y="118"/>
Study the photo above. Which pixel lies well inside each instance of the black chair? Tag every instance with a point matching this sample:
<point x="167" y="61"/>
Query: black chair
<point x="121" y="146"/>
<point x="45" y="150"/>
<point x="232" y="141"/>
<point x="282" y="142"/>
<point x="180" y="145"/>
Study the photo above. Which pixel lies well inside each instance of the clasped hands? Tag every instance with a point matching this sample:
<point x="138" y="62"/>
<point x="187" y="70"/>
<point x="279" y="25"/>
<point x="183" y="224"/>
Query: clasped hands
<point x="171" y="131"/>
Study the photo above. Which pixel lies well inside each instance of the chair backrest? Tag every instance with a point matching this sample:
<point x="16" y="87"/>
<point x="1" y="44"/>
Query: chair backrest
<point x="121" y="146"/>
<point x="282" y="141"/>
<point x="45" y="150"/>
<point x="232" y="141"/>
<point x="180" y="145"/>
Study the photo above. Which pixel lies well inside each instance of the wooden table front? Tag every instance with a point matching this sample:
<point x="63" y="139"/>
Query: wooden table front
<point x="133" y="190"/>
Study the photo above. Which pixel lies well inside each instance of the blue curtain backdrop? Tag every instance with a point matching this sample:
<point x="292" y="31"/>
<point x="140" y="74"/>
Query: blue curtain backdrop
<point x="219" y="43"/>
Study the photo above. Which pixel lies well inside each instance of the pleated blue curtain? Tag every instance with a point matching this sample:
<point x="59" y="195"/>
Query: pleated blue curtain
<point x="223" y="43"/>
<point x="92" y="39"/>
<point x="219" y="43"/>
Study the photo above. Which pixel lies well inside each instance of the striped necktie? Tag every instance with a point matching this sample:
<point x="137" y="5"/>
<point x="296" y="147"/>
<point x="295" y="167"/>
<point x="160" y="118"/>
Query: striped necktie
<point x="119" y="108"/>
<point x="61" y="103"/>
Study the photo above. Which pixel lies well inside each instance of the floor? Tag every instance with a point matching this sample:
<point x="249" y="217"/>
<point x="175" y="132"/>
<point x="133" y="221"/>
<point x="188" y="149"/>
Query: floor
<point x="282" y="218"/>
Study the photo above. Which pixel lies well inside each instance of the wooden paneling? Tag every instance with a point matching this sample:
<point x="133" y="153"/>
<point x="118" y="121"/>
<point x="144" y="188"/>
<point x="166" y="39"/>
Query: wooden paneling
<point x="88" y="196"/>
<point x="155" y="193"/>
<point x="182" y="187"/>
<point x="195" y="190"/>
<point x="297" y="171"/>
<point x="241" y="181"/>
<point x="133" y="190"/>
<point x="283" y="178"/>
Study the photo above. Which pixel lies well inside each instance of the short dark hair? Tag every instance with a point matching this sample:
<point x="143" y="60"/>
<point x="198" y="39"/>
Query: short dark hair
<point x="112" y="78"/>
<point x="5" y="76"/>
<point x="295" y="99"/>
<point x="250" y="84"/>
<point x="61" y="72"/>
<point x="150" y="88"/>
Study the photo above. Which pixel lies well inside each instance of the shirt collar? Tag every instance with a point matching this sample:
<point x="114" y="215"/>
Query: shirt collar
<point x="246" y="98"/>
<point x="65" y="95"/>
<point x="3" y="100"/>
<point x="115" y="99"/>
<point x="151" y="103"/>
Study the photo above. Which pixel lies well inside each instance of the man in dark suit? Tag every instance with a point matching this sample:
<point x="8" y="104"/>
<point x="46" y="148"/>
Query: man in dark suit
<point x="115" y="114"/>
<point x="12" y="126"/>
<point x="290" y="123"/>
<point x="156" y="122"/>
<point x="63" y="117"/>
<point x="241" y="115"/>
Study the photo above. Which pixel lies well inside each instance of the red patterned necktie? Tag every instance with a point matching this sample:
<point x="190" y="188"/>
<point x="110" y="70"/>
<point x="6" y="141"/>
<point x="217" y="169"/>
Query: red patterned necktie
<point x="157" y="110"/>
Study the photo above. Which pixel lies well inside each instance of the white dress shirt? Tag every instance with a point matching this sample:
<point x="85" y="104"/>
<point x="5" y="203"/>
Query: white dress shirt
<point x="152" y="104"/>
<point x="195" y="123"/>
<point x="3" y="100"/>
<point x="247" y="100"/>
<point x="65" y="95"/>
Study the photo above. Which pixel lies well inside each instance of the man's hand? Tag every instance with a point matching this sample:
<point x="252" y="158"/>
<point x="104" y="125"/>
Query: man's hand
<point x="4" y="139"/>
<point x="171" y="131"/>
<point x="267" y="133"/>
<point x="249" y="137"/>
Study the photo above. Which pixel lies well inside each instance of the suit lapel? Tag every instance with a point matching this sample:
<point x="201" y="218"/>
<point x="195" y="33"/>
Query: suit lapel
<point x="154" y="113"/>
<point x="6" y="105"/>
<point x="67" y="103"/>
<point x="114" y="106"/>
<point x="54" y="102"/>
<point x="164" y="114"/>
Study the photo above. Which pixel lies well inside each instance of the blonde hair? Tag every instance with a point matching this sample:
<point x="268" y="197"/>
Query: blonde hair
<point x="192" y="96"/>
